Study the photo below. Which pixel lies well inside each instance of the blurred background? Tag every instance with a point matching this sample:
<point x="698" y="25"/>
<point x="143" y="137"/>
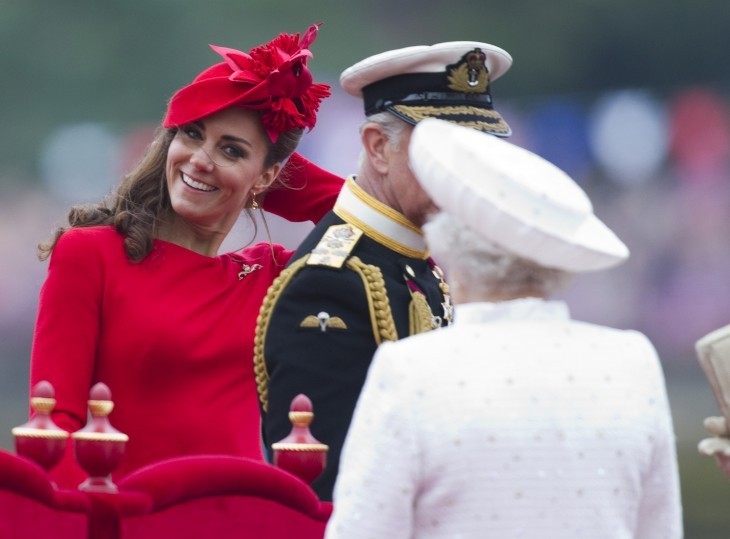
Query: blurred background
<point x="631" y="98"/>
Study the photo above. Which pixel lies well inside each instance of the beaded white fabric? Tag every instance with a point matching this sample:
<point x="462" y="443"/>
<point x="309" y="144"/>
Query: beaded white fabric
<point x="514" y="422"/>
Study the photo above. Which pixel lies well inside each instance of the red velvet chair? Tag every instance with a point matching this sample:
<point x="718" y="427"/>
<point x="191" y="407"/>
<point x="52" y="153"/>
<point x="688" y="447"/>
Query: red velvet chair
<point x="222" y="497"/>
<point x="186" y="497"/>
<point x="32" y="508"/>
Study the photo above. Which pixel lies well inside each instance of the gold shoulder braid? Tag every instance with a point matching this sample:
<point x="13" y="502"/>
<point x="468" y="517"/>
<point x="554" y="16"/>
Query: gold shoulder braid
<point x="262" y="324"/>
<point x="381" y="316"/>
<point x="419" y="313"/>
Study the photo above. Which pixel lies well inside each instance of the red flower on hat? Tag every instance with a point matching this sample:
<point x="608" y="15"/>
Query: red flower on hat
<point x="279" y="72"/>
<point x="272" y="78"/>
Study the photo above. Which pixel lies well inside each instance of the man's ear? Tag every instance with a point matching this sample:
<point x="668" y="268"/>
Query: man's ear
<point x="375" y="144"/>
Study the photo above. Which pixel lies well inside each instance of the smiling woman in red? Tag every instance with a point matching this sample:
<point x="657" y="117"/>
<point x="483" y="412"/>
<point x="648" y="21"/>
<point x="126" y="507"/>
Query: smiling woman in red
<point x="137" y="295"/>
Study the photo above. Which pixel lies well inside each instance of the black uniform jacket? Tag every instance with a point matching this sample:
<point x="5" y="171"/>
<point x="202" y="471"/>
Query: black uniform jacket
<point x="361" y="277"/>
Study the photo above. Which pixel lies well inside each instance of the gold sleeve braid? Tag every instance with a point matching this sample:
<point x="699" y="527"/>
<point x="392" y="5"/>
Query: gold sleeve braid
<point x="262" y="325"/>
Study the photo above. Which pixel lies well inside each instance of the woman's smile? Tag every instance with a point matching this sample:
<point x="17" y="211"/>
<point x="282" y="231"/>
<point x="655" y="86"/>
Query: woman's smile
<point x="196" y="184"/>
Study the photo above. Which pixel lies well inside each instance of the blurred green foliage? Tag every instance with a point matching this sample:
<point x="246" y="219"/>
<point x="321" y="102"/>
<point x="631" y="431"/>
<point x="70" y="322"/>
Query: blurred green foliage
<point x="118" y="62"/>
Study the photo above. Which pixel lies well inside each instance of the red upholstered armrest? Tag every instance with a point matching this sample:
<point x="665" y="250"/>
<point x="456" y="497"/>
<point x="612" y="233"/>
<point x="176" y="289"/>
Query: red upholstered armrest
<point x="26" y="478"/>
<point x="174" y="481"/>
<point x="31" y="506"/>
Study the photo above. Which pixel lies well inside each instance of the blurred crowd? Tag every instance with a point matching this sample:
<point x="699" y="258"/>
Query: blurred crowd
<point x="655" y="165"/>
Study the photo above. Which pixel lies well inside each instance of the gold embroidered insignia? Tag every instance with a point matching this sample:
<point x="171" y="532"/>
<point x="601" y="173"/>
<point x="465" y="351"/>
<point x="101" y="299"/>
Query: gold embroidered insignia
<point x="335" y="246"/>
<point x="470" y="75"/>
<point x="323" y="321"/>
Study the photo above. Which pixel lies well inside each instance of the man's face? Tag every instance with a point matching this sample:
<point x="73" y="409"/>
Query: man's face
<point x="406" y="193"/>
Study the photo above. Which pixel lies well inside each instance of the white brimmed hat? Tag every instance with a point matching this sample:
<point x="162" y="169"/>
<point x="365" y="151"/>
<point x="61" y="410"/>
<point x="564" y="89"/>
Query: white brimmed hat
<point x="512" y="197"/>
<point x="450" y="81"/>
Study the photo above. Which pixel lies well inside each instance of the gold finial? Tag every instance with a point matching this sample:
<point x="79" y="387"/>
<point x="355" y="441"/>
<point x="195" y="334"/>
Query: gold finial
<point x="301" y="419"/>
<point x="101" y="408"/>
<point x="44" y="405"/>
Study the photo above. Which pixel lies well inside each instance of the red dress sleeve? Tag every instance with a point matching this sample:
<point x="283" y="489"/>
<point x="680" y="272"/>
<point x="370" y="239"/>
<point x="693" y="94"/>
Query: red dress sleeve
<point x="66" y="335"/>
<point x="310" y="193"/>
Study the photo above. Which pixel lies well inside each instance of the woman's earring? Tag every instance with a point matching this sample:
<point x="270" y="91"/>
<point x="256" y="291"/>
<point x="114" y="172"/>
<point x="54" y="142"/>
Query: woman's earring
<point x="254" y="204"/>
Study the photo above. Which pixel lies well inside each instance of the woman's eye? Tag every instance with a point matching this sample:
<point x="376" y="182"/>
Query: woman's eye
<point x="192" y="132"/>
<point x="232" y="152"/>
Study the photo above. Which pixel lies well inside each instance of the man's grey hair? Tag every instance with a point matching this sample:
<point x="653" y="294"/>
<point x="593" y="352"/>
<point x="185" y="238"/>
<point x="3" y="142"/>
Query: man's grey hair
<point x="392" y="126"/>
<point x="485" y="268"/>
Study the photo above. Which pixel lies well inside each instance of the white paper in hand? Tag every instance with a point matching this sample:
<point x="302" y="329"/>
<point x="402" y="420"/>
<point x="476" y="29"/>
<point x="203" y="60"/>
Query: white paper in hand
<point x="713" y="353"/>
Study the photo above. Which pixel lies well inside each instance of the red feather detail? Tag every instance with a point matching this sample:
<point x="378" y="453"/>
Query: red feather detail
<point x="274" y="78"/>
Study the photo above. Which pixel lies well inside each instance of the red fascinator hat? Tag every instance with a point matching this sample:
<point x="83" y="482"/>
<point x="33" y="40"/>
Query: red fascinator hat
<point x="272" y="78"/>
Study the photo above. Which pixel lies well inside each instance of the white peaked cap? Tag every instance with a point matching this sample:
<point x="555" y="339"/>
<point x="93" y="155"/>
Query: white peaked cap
<point x="420" y="59"/>
<point x="512" y="197"/>
<point x="450" y="81"/>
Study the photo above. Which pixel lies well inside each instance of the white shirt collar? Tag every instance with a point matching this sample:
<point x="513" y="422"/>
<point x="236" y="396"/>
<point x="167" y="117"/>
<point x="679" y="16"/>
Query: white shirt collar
<point x="516" y="309"/>
<point x="379" y="222"/>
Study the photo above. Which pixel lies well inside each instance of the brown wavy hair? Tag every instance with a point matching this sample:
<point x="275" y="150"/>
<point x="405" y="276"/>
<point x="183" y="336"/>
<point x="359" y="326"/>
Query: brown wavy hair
<point x="141" y="202"/>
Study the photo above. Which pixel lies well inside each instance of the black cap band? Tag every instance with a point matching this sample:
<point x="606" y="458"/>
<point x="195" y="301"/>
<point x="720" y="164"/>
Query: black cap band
<point x="418" y="89"/>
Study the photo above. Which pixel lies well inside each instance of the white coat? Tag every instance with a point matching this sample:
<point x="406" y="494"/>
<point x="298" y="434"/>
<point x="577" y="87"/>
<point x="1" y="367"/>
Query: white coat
<point x="514" y="422"/>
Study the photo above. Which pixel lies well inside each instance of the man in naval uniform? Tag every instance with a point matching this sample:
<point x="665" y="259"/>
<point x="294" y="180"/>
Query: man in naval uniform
<point x="363" y="275"/>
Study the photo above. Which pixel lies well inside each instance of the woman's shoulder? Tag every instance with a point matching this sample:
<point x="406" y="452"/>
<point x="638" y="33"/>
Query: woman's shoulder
<point x="88" y="239"/>
<point x="264" y="253"/>
<point x="91" y="233"/>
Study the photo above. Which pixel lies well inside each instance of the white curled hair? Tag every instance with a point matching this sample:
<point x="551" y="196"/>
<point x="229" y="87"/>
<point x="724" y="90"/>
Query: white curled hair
<point x="484" y="268"/>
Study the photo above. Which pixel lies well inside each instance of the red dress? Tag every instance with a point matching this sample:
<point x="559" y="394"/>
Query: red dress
<point x="172" y="337"/>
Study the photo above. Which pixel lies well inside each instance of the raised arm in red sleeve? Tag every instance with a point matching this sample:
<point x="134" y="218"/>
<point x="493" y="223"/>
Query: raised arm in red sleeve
<point x="310" y="193"/>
